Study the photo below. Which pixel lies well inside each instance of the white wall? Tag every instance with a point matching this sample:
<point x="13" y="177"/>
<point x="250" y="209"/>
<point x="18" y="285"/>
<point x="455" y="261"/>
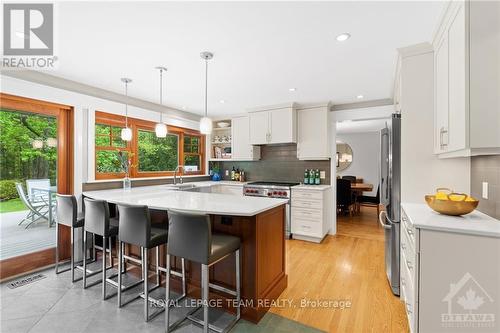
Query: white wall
<point x="84" y="114"/>
<point x="421" y="171"/>
<point x="366" y="156"/>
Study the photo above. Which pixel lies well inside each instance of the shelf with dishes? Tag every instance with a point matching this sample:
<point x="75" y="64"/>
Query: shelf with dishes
<point x="221" y="140"/>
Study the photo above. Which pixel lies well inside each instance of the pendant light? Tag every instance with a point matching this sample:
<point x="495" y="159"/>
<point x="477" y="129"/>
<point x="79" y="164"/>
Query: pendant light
<point x="161" y="128"/>
<point x="205" y="122"/>
<point x="126" y="133"/>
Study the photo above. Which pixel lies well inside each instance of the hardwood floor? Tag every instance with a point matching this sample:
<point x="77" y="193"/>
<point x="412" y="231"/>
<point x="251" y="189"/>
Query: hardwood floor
<point x="348" y="266"/>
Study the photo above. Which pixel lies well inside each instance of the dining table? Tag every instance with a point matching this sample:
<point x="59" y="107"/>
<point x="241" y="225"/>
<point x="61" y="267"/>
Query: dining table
<point x="49" y="193"/>
<point x="357" y="189"/>
<point x="361" y="187"/>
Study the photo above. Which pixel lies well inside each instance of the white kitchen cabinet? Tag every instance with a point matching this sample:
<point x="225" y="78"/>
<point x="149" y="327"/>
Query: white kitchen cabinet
<point x="311" y="212"/>
<point x="467" y="106"/>
<point x="259" y="128"/>
<point x="441" y="98"/>
<point x="242" y="150"/>
<point x="313" y="133"/>
<point x="273" y="125"/>
<point x="443" y="265"/>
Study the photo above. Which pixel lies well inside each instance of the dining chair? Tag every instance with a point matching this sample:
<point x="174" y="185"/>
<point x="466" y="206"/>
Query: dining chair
<point x="344" y="196"/>
<point x="36" y="209"/>
<point x="371" y="201"/>
<point x="352" y="179"/>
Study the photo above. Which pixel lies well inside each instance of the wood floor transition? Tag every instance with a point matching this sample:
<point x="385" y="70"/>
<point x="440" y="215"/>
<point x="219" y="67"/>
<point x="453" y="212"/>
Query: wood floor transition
<point x="346" y="267"/>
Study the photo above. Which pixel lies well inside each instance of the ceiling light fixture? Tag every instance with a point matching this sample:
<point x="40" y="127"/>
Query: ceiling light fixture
<point x="343" y="37"/>
<point x="161" y="128"/>
<point x="360" y="97"/>
<point x="205" y="122"/>
<point x="126" y="133"/>
<point x="292" y="89"/>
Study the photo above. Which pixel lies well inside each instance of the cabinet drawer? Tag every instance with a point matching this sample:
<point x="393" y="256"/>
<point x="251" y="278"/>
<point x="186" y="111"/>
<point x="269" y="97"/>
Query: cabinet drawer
<point x="406" y="298"/>
<point x="408" y="228"/>
<point x="308" y="214"/>
<point x="306" y="227"/>
<point x="310" y="204"/>
<point x="407" y="244"/>
<point x="311" y="195"/>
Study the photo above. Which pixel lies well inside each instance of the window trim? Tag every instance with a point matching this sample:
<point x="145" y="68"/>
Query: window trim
<point x="135" y="124"/>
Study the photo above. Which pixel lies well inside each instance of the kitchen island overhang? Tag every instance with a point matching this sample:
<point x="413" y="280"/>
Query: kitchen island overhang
<point x="258" y="222"/>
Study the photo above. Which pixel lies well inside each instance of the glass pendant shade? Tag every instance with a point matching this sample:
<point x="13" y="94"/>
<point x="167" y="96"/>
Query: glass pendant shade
<point x="126" y="134"/>
<point x="161" y="130"/>
<point x="206" y="125"/>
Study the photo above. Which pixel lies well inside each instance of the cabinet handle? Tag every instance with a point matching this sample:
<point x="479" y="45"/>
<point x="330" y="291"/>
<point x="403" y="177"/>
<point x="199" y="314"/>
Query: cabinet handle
<point x="305" y="226"/>
<point x="442" y="132"/>
<point x="408" y="264"/>
<point x="403" y="282"/>
<point x="403" y="246"/>
<point x="409" y="232"/>
<point x="408" y="307"/>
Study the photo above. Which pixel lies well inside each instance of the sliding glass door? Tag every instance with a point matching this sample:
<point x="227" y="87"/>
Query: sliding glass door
<point x="35" y="163"/>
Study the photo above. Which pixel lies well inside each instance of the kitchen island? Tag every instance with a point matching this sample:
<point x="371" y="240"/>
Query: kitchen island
<point x="259" y="222"/>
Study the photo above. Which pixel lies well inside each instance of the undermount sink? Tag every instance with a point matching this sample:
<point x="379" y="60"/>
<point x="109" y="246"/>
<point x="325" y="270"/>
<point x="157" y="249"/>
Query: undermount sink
<point x="181" y="187"/>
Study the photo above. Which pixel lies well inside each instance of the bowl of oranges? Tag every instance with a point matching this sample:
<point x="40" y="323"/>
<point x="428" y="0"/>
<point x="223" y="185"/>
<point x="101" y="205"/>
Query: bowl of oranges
<point x="447" y="202"/>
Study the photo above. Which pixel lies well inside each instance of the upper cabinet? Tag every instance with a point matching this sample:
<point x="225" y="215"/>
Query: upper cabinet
<point x="273" y="125"/>
<point x="242" y="149"/>
<point x="313" y="137"/>
<point x="466" y="80"/>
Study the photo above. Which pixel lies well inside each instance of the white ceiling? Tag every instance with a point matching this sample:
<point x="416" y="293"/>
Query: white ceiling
<point x="361" y="126"/>
<point x="261" y="49"/>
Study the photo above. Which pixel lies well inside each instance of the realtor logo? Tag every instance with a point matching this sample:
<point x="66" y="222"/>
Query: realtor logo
<point x="28" y="29"/>
<point x="468" y="305"/>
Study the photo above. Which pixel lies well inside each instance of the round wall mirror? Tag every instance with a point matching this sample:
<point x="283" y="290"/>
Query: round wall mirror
<point x="344" y="156"/>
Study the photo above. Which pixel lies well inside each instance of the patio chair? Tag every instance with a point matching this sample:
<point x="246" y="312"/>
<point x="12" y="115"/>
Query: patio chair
<point x="34" y="195"/>
<point x="37" y="209"/>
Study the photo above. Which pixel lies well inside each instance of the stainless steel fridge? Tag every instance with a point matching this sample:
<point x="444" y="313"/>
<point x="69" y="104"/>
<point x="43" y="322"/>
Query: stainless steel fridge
<point x="390" y="196"/>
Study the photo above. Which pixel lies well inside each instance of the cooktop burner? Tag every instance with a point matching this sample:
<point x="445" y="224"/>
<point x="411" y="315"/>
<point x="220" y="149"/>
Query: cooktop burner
<point x="272" y="183"/>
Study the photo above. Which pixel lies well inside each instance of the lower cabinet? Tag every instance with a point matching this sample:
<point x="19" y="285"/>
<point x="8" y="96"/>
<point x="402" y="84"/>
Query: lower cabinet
<point x="311" y="213"/>
<point x="450" y="281"/>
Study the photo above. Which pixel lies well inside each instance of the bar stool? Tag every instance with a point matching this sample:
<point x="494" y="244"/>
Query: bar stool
<point x="67" y="214"/>
<point x="98" y="222"/>
<point x="190" y="237"/>
<point x="135" y="229"/>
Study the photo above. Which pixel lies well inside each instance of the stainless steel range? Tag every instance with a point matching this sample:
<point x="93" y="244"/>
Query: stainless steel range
<point x="279" y="190"/>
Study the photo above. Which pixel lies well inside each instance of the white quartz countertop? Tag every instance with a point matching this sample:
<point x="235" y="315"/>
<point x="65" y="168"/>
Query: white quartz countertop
<point x="475" y="223"/>
<point x="162" y="197"/>
<point x="311" y="187"/>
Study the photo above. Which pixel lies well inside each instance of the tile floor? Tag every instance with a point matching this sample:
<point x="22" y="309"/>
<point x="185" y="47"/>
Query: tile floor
<point x="54" y="304"/>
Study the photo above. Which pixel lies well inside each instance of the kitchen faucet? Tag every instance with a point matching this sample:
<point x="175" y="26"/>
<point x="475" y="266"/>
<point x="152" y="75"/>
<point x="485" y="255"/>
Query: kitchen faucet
<point x="180" y="174"/>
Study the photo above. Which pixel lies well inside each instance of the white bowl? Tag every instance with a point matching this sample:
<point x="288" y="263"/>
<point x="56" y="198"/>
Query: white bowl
<point x="223" y="124"/>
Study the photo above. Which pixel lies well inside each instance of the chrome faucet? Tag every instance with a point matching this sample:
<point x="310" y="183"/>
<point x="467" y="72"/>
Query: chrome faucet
<point x="175" y="173"/>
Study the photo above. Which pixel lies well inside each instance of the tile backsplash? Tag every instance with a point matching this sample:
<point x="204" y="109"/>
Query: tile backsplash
<point x="486" y="169"/>
<point x="278" y="163"/>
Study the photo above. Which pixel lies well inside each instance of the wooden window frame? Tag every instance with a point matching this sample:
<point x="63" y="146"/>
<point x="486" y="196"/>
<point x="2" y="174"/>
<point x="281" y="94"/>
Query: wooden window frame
<point x="135" y="125"/>
<point x="65" y="166"/>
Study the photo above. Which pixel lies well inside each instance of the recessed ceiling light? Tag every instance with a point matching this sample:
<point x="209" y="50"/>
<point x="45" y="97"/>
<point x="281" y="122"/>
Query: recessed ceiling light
<point x="222" y="101"/>
<point x="343" y="37"/>
<point x="360" y="97"/>
<point x="292" y="89"/>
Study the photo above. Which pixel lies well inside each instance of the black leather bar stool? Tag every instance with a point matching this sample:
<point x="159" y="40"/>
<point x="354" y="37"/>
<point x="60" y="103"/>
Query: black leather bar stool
<point x="190" y="237"/>
<point x="135" y="229"/>
<point x="98" y="222"/>
<point x="67" y="214"/>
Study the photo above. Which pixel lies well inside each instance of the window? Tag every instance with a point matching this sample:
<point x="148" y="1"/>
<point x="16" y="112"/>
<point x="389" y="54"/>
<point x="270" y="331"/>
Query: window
<point x="108" y="145"/>
<point x="149" y="156"/>
<point x="157" y="154"/>
<point x="192" y="153"/>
